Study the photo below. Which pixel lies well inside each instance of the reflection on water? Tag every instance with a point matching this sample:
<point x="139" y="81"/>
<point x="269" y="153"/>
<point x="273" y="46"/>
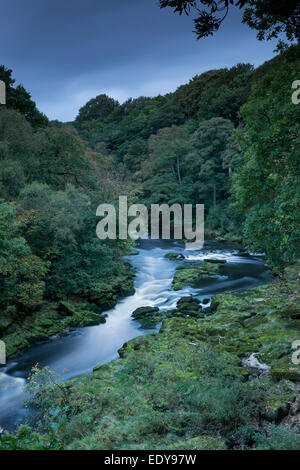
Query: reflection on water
<point x="83" y="349"/>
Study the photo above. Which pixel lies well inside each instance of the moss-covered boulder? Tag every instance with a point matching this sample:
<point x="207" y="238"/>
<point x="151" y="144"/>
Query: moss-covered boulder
<point x="242" y="254"/>
<point x="141" y="343"/>
<point x="175" y="256"/>
<point x="189" y="306"/>
<point x="280" y="399"/>
<point x="215" y="260"/>
<point x="192" y="274"/>
<point x="148" y="317"/>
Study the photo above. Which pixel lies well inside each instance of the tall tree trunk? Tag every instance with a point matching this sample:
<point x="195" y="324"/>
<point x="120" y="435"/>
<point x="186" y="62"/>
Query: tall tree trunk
<point x="178" y="170"/>
<point x="215" y="195"/>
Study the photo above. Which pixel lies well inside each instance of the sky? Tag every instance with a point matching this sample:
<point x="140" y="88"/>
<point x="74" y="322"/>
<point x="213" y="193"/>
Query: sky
<point x="66" y="52"/>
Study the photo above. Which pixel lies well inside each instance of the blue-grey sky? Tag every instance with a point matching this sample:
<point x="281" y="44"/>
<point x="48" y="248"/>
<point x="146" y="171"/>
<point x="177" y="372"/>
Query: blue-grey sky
<point x="67" y="51"/>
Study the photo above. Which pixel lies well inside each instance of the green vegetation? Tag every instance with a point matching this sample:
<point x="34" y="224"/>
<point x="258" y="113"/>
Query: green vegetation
<point x="269" y="19"/>
<point x="193" y="274"/>
<point x="175" y="256"/>
<point x="266" y="189"/>
<point x="228" y="139"/>
<point x="189" y="386"/>
<point x="54" y="272"/>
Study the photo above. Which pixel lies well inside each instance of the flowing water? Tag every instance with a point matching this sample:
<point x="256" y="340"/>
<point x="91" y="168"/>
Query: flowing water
<point x="77" y="353"/>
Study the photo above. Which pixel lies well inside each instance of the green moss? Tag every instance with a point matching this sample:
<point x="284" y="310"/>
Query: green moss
<point x="192" y="274"/>
<point x="280" y="397"/>
<point x="148" y="317"/>
<point x="186" y="387"/>
<point x="285" y="369"/>
<point x="175" y="256"/>
<point x="200" y="443"/>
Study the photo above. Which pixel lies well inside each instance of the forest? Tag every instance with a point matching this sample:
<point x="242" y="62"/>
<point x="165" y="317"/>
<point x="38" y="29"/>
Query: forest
<point x="228" y="139"/>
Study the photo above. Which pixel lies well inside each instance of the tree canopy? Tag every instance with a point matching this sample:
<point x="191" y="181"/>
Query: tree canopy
<point x="270" y="18"/>
<point x="19" y="99"/>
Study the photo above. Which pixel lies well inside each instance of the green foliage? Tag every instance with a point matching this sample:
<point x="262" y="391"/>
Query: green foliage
<point x="160" y="395"/>
<point x="134" y="121"/>
<point x="62" y="158"/>
<point x="19" y="99"/>
<point x="209" y="142"/>
<point x="22" y="273"/>
<point x="61" y="228"/>
<point x="269" y="18"/>
<point x="278" y="438"/>
<point x="216" y="93"/>
<point x="53" y="183"/>
<point x="97" y="108"/>
<point x="188" y="382"/>
<point x="266" y="178"/>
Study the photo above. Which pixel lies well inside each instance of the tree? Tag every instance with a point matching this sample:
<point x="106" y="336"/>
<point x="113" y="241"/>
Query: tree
<point x="97" y="108"/>
<point x="167" y="149"/>
<point x="266" y="177"/>
<point x="21" y="272"/>
<point x="62" y="158"/>
<point x="216" y="93"/>
<point x="270" y="18"/>
<point x="17" y="152"/>
<point x="19" y="99"/>
<point x="209" y="142"/>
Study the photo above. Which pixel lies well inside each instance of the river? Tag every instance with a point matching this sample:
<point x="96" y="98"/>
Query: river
<point x="78" y="352"/>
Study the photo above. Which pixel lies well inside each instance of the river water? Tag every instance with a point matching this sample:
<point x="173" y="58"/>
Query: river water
<point x="78" y="352"/>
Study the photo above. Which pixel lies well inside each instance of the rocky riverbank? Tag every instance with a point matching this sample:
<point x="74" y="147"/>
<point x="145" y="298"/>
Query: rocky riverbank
<point x="58" y="318"/>
<point x="219" y="378"/>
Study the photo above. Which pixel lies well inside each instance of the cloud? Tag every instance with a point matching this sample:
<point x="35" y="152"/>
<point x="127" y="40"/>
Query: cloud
<point x="65" y="53"/>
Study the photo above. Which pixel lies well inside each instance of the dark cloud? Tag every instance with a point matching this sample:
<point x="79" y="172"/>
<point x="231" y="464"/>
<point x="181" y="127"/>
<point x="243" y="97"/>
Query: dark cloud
<point x="67" y="52"/>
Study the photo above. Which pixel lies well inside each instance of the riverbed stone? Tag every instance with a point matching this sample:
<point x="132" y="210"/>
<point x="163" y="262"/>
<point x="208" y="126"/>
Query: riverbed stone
<point x="215" y="260"/>
<point x="192" y="274"/>
<point x="147" y="316"/>
<point x="175" y="256"/>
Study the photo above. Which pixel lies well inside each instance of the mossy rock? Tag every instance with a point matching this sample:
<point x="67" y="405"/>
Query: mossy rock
<point x="143" y="312"/>
<point x="189" y="306"/>
<point x="291" y="311"/>
<point x="292" y="273"/>
<point x="279" y="399"/>
<point x="215" y="302"/>
<point x="131" y="252"/>
<point x="5" y="322"/>
<point x="285" y="369"/>
<point x="136" y="344"/>
<point x="242" y="254"/>
<point x="192" y="274"/>
<point x="215" y="260"/>
<point x="148" y="317"/>
<point x="175" y="256"/>
<point x="66" y="309"/>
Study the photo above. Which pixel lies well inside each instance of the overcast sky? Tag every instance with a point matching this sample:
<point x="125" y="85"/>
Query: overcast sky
<point x="67" y="51"/>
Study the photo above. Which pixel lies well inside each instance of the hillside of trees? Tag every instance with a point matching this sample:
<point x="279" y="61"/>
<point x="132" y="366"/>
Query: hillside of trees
<point x="228" y="139"/>
<point x="54" y="272"/>
<point x="213" y="141"/>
